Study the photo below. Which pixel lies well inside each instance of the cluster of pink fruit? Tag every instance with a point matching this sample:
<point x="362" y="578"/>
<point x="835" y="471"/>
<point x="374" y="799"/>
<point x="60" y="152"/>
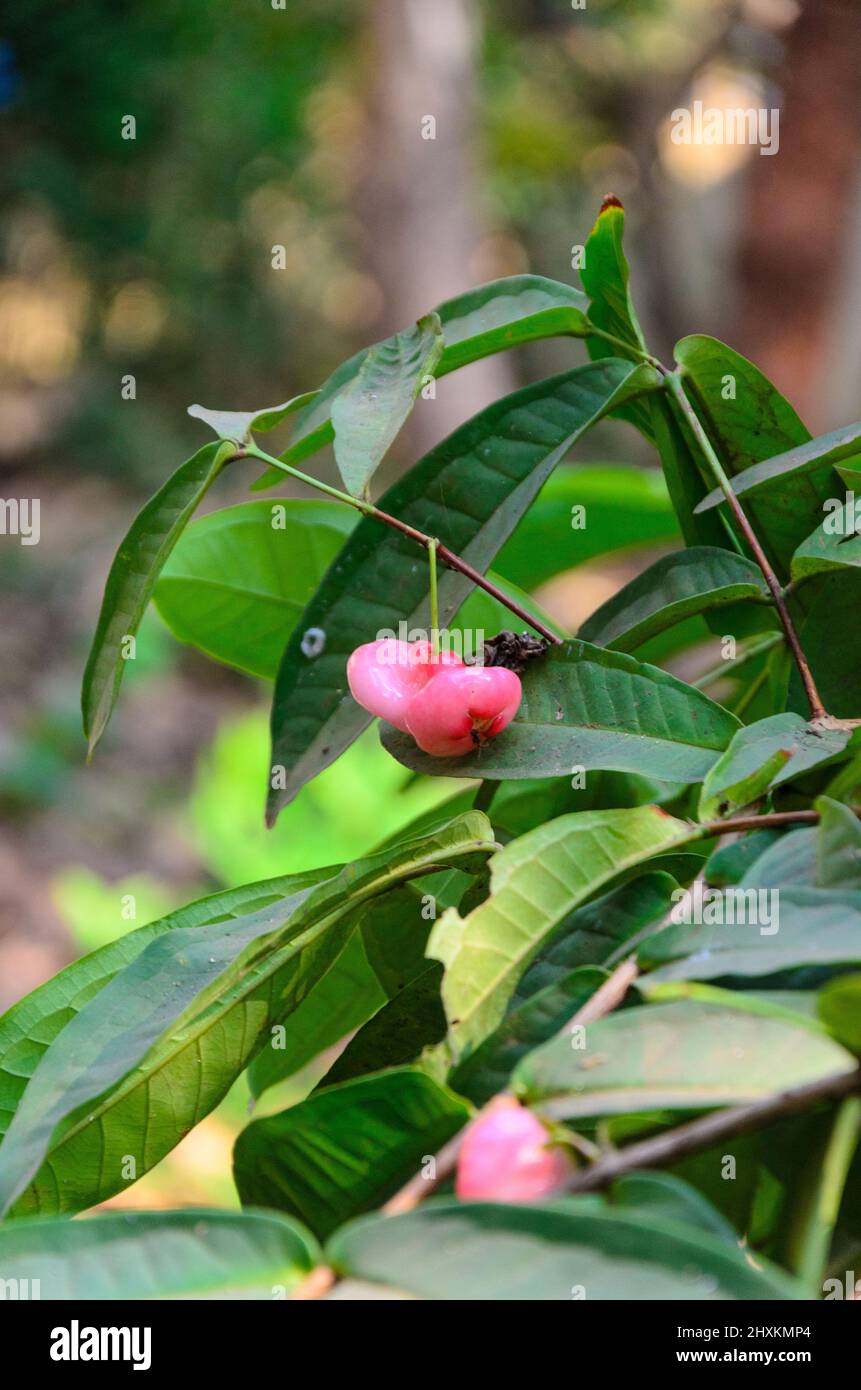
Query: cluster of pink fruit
<point x="448" y="707"/>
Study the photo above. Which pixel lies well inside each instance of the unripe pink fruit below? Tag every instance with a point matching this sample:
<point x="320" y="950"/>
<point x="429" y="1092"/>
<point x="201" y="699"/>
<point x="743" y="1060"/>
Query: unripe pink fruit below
<point x="448" y="707"/>
<point x="505" y="1157"/>
<point x="461" y="707"/>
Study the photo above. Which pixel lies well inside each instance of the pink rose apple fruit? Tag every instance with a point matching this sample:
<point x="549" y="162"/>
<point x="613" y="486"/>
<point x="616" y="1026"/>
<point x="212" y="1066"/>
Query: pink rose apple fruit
<point x="385" y="675"/>
<point x="461" y="707"/>
<point x="505" y="1157"/>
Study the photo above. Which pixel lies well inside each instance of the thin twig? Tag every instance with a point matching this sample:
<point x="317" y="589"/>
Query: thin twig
<point x="446" y="556"/>
<point x="674" y="383"/>
<point x="668" y="1148"/>
<point x="315" y="1285"/>
<point x="607" y="997"/>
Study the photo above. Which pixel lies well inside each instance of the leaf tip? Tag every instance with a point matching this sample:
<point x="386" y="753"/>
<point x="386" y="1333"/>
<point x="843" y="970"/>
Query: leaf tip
<point x="610" y="201"/>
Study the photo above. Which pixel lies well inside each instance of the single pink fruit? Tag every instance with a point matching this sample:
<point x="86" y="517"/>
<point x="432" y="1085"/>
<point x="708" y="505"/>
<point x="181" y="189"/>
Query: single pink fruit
<point x="461" y="707"/>
<point x="385" y="675"/>
<point x="504" y="1157"/>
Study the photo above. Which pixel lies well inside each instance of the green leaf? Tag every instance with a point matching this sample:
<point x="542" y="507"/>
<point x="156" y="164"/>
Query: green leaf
<point x="623" y="506"/>
<point x="838" y="846"/>
<point x="790" y="861"/>
<point x="346" y="996"/>
<point x="496" y="316"/>
<point x="536" y="881"/>
<point x="728" y="864"/>
<point x="661" y="1196"/>
<point x="766" y="755"/>
<point x="238" y="425"/>
<point x="834" y="545"/>
<point x="747" y="423"/>
<point x="605" y="275"/>
<point x="381" y="956"/>
<point x="683" y="466"/>
<point x="412" y="1020"/>
<point x="239" y="580"/>
<point x="674" y="588"/>
<point x="154" y="1254"/>
<point x="680" y="1056"/>
<point x="527" y="1025"/>
<point x="839" y="1007"/>
<point x="798" y="928"/>
<point x="470" y="491"/>
<point x="347" y="1148"/>
<point x="136" y="567"/>
<point x="795" y="484"/>
<point x="30" y="1026"/>
<point x="552" y="1251"/>
<point x="589" y="708"/>
<point x="562" y="976"/>
<point x="369" y="412"/>
<point x="162" y="1042"/>
<point x="827" y="639"/>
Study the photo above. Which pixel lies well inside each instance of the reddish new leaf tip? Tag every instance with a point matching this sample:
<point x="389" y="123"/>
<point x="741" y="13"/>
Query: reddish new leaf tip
<point x="610" y="201"/>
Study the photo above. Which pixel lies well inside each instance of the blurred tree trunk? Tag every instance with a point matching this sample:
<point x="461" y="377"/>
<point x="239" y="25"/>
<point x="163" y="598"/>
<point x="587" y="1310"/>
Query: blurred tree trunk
<point x="419" y="201"/>
<point x="794" y="243"/>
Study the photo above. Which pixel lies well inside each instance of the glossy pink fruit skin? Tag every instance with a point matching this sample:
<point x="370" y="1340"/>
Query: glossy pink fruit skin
<point x="504" y="1158"/>
<point x="385" y="675"/>
<point x="461" y="707"/>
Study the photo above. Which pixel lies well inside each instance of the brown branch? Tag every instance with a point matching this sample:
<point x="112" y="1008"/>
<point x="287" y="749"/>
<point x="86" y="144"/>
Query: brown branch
<point x="668" y="1148"/>
<point x="772" y="820"/>
<point x="454" y="562"/>
<point x="814" y="699"/>
<point x="446" y="556"/>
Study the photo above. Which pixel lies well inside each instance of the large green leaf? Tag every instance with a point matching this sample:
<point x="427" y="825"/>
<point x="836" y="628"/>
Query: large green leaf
<point x="766" y="755"/>
<point x="624" y="506"/>
<point x="834" y="545"/>
<point x="801" y="927"/>
<point x="382" y="955"/>
<point x="368" y="413"/>
<point x="793" y="485"/>
<point x="239" y="580"/>
<point x="136" y="567"/>
<point x="563" y="974"/>
<point x="579" y="1248"/>
<point x="154" y="1254"/>
<point x="529" y="1023"/>
<point x="839" y="1007"/>
<point x="661" y="1195"/>
<point x="827" y="639"/>
<point x="586" y="707"/>
<point x="31" y="1025"/>
<point x="680" y="1056"/>
<point x="470" y="491"/>
<point x="536" y="881"/>
<point x="486" y="320"/>
<point x="674" y="588"/>
<point x="747" y="420"/>
<point x="348" y="994"/>
<point x="346" y="1148"/>
<point x="838" y="845"/>
<point x="412" y="1020"/>
<point x="790" y="860"/>
<point x="161" y="1043"/>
